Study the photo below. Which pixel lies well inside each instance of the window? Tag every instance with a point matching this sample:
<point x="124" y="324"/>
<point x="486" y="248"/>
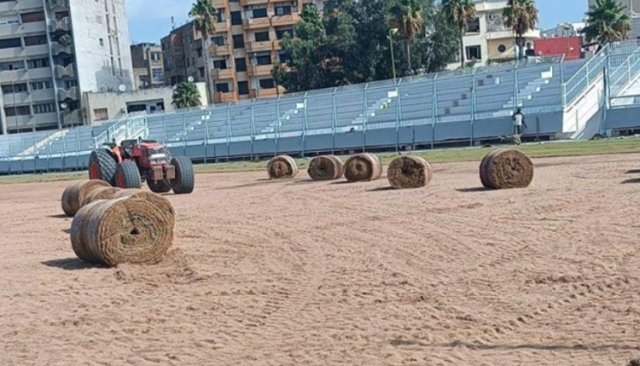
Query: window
<point x="473" y="25"/>
<point x="201" y="72"/>
<point x="13" y="65"/>
<point x="41" y="85"/>
<point x="169" y="63"/>
<point x="44" y="108"/>
<point x="9" y="19"/>
<point x="155" y="56"/>
<point x="267" y="84"/>
<point x="238" y="41"/>
<point x="158" y="75"/>
<point x="222" y="87"/>
<point x="101" y="114"/>
<point x="220" y="64"/>
<point x="61" y="15"/>
<point x="22" y="110"/>
<point x="241" y="64"/>
<point x="218" y="40"/>
<point x="243" y="88"/>
<point x="37" y="16"/>
<point x="101" y="42"/>
<point x="502" y="48"/>
<point x="35" y="40"/>
<point x="68" y="84"/>
<point x="199" y="53"/>
<point x="263" y="59"/>
<point x="283" y="56"/>
<point x="281" y="32"/>
<point x="283" y="10"/>
<point x="474" y="53"/>
<point x="262" y="36"/>
<point x="37" y="63"/>
<point x="15" y="88"/>
<point x="10" y="43"/>
<point x="260" y="13"/>
<point x="236" y="18"/>
<point x="220" y="15"/>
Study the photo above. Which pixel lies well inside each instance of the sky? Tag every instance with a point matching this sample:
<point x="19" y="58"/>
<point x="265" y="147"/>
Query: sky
<point x="150" y="20"/>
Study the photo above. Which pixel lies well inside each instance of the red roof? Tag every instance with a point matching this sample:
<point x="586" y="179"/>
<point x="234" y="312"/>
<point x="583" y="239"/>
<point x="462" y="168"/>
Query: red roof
<point x="569" y="46"/>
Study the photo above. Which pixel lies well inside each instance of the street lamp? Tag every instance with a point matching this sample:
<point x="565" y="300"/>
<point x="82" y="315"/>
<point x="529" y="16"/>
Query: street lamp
<point x="392" y="32"/>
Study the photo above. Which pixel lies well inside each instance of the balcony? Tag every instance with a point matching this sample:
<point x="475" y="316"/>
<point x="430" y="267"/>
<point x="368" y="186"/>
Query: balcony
<point x="62" y="71"/>
<point x="218" y="4"/>
<point x="63" y="25"/>
<point x="71" y="118"/>
<point x="266" y="93"/>
<point x="253" y="2"/>
<point x="259" y="70"/>
<point x="220" y="74"/>
<point x="220" y="97"/>
<point x="257" y="23"/>
<point x="58" y="48"/>
<point x="7" y="6"/>
<point x="506" y="33"/>
<point x="254" y="46"/>
<point x="224" y="50"/>
<point x="58" y="3"/>
<point x="72" y="93"/>
<point x="288" y="19"/>
<point x="223" y="26"/>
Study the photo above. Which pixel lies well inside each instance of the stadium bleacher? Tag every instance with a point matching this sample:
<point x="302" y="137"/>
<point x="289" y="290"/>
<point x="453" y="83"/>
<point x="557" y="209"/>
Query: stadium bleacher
<point x="538" y="86"/>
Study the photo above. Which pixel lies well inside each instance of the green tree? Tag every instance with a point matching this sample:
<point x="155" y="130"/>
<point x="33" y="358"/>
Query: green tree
<point x="406" y="16"/>
<point x="459" y="12"/>
<point x="607" y="21"/>
<point x="186" y="95"/>
<point x="204" y="16"/>
<point x="308" y="61"/>
<point x="521" y="16"/>
<point x="437" y="49"/>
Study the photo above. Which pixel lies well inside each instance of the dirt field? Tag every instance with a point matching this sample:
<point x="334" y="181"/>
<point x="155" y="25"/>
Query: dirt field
<point x="304" y="273"/>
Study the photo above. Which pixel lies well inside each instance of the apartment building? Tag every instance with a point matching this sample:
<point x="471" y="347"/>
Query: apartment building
<point x="242" y="51"/>
<point x="53" y="50"/>
<point x="489" y="39"/>
<point x="148" y="65"/>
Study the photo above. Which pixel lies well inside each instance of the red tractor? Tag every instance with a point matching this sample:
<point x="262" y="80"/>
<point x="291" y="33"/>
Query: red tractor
<point x="135" y="161"/>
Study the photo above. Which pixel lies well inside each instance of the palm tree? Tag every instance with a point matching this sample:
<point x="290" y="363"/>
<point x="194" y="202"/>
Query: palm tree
<point x="406" y="16"/>
<point x="459" y="12"/>
<point x="186" y="95"/>
<point x="522" y="17"/>
<point x="204" y="16"/>
<point x="607" y="21"/>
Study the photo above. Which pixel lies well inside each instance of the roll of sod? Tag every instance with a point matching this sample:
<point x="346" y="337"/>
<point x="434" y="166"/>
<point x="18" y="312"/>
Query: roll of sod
<point x="362" y="168"/>
<point x="75" y="193"/>
<point x="409" y="172"/>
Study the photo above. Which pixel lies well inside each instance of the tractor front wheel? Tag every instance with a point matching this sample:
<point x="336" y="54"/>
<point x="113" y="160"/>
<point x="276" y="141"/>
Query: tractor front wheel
<point x="102" y="166"/>
<point x="184" y="180"/>
<point x="161" y="186"/>
<point x="128" y="175"/>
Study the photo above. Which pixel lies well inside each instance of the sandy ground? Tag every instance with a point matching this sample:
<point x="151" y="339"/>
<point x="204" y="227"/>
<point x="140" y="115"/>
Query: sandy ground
<point x="304" y="273"/>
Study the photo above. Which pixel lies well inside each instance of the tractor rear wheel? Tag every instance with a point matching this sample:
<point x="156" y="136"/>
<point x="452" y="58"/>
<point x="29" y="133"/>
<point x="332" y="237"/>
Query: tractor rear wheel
<point x="102" y="166"/>
<point x="128" y="175"/>
<point x="184" y="180"/>
<point x="161" y="186"/>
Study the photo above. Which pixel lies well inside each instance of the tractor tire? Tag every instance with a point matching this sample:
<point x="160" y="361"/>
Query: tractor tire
<point x="102" y="166"/>
<point x="162" y="186"/>
<point x="184" y="180"/>
<point x="128" y="175"/>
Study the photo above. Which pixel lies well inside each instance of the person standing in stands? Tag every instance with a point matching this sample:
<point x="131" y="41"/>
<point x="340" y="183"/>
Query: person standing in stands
<point x="518" y="122"/>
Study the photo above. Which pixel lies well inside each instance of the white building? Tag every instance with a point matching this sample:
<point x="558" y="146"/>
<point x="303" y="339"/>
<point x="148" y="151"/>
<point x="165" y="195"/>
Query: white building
<point x="53" y="50"/>
<point x="488" y="38"/>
